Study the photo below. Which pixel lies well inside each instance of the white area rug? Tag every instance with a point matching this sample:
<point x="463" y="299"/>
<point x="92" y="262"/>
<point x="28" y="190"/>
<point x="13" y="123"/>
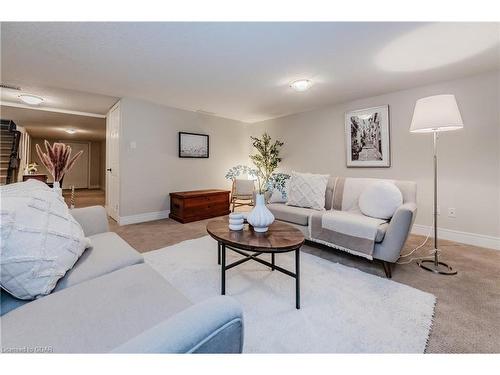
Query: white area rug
<point x="343" y="310"/>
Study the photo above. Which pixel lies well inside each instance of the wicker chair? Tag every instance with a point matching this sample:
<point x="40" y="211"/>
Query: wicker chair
<point x="242" y="193"/>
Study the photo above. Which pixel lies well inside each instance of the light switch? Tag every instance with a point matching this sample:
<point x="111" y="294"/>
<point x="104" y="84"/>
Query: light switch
<point x="133" y="145"/>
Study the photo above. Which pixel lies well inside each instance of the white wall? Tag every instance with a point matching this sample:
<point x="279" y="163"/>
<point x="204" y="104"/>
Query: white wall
<point x="469" y="159"/>
<point x="153" y="169"/>
<point x="95" y="165"/>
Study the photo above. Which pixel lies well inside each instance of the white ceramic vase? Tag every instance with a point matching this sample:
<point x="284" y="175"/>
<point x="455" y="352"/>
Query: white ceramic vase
<point x="260" y="217"/>
<point x="57" y="187"/>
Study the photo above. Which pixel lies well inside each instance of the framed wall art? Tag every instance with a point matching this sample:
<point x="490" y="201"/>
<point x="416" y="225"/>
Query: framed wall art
<point x="367" y="137"/>
<point x="192" y="145"/>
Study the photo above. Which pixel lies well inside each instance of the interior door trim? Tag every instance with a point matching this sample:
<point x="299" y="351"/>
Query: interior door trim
<point x="116" y="107"/>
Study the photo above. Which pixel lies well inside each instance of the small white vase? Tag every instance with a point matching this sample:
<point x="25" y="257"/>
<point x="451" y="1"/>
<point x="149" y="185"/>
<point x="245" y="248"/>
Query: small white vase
<point x="260" y="217"/>
<point x="57" y="187"/>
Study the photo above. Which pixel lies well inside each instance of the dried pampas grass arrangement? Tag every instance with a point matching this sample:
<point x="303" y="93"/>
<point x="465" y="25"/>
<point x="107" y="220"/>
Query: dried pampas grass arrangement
<point x="57" y="159"/>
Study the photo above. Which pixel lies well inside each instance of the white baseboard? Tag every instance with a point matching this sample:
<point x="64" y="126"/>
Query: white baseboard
<point x="141" y="218"/>
<point x="475" y="239"/>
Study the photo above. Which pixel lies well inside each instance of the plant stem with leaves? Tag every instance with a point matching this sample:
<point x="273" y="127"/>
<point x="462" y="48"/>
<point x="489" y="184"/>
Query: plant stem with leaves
<point x="266" y="159"/>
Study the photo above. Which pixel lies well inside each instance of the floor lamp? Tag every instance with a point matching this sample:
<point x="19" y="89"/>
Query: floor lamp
<point x="432" y="115"/>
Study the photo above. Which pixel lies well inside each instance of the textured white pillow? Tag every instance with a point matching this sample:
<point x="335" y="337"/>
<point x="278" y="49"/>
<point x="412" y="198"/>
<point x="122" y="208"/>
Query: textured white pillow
<point x="307" y="190"/>
<point x="380" y="200"/>
<point x="41" y="241"/>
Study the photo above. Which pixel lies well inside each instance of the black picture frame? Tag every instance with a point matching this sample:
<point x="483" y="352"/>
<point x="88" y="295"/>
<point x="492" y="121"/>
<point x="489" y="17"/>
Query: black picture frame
<point x="382" y="128"/>
<point x="183" y="144"/>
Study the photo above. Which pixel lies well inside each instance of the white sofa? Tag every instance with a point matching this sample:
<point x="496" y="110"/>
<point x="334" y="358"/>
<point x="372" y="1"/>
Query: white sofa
<point x="390" y="237"/>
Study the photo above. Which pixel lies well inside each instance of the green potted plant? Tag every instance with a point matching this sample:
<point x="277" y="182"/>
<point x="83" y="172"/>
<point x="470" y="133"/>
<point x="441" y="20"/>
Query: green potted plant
<point x="266" y="160"/>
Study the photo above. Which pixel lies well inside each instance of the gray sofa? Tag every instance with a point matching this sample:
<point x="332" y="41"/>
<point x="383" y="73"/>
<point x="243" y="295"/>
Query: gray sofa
<point x="111" y="301"/>
<point x="390" y="237"/>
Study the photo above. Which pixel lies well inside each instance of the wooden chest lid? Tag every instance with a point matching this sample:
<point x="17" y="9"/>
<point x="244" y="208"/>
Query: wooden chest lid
<point x="198" y="193"/>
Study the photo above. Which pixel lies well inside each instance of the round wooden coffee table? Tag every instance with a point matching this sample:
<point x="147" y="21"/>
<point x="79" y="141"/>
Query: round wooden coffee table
<point x="280" y="238"/>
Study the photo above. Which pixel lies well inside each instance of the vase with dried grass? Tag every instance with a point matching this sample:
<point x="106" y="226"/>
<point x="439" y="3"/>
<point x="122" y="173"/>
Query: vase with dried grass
<point x="57" y="159"/>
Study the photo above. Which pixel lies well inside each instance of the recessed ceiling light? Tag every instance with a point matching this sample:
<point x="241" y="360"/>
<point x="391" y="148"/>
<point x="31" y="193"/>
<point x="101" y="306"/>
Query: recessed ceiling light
<point x="31" y="99"/>
<point x="70" y="131"/>
<point x="301" y="85"/>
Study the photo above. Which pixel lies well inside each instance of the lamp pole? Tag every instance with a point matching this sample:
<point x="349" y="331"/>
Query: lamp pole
<point x="436" y="266"/>
<point x="436" y="261"/>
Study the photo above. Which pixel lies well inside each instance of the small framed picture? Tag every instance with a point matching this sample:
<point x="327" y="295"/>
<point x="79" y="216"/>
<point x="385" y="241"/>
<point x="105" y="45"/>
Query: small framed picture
<point x="368" y="138"/>
<point x="192" y="145"/>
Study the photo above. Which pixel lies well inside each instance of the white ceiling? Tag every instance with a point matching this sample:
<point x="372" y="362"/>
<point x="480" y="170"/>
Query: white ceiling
<point x="51" y="125"/>
<point x="238" y="70"/>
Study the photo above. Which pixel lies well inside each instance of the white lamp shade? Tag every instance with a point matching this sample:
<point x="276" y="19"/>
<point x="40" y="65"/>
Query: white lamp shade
<point x="435" y="114"/>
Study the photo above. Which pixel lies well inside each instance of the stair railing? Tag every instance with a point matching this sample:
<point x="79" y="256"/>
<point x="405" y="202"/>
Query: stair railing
<point x="14" y="151"/>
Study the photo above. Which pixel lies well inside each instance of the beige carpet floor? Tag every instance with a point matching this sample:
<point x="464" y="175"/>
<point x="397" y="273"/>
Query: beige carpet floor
<point x="467" y="316"/>
<point x="85" y="197"/>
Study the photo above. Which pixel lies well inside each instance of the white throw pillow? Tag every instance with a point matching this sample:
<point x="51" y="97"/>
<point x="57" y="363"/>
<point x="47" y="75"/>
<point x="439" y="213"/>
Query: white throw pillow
<point x="307" y="190"/>
<point x="41" y="241"/>
<point x="380" y="200"/>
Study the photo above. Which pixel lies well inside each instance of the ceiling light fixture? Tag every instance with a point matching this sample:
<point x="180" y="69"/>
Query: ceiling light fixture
<point x="301" y="85"/>
<point x="70" y="131"/>
<point x="31" y="99"/>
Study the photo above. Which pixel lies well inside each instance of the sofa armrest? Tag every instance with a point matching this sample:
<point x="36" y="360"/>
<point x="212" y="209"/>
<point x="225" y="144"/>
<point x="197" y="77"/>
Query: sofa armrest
<point x="397" y="233"/>
<point x="93" y="219"/>
<point x="212" y="326"/>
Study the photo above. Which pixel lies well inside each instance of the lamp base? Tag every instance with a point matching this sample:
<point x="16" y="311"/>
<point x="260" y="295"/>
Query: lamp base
<point x="440" y="268"/>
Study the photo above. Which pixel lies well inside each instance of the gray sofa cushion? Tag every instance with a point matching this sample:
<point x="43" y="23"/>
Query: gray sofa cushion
<point x="93" y="219"/>
<point x="94" y="316"/>
<point x="109" y="252"/>
<point x="291" y="214"/>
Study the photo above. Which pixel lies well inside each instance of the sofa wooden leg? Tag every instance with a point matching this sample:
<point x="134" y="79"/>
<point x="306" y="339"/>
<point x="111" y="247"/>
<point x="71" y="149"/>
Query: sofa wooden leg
<point x="387" y="269"/>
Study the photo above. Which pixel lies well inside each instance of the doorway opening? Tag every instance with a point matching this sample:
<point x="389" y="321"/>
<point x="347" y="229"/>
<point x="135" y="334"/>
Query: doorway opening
<point x="85" y="184"/>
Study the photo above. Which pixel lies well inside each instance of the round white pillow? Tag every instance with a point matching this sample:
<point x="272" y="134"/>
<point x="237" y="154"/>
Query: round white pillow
<point x="380" y="200"/>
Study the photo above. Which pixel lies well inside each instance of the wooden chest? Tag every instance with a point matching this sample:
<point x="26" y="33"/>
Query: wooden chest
<point x="187" y="206"/>
<point x="40" y="177"/>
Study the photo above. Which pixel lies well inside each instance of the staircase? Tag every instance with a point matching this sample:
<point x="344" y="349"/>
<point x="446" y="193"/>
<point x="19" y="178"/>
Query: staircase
<point x="9" y="149"/>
